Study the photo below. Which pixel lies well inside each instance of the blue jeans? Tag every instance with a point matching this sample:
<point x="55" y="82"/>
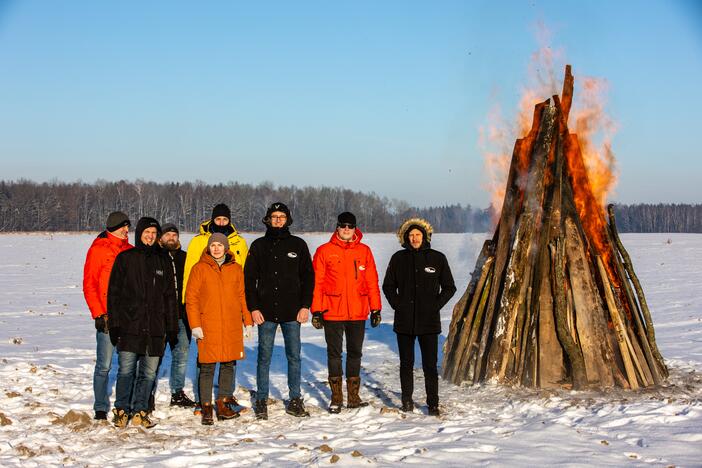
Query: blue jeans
<point x="179" y="360"/>
<point x="142" y="368"/>
<point x="101" y="376"/>
<point x="266" y="340"/>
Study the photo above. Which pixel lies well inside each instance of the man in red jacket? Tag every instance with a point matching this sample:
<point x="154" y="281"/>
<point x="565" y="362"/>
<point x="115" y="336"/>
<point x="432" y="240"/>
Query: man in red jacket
<point x="345" y="292"/>
<point x="96" y="277"/>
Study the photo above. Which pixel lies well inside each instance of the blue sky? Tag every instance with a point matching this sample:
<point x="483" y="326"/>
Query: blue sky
<point x="374" y="96"/>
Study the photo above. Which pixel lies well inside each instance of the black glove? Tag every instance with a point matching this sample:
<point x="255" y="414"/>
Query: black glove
<point x="101" y="324"/>
<point x="375" y="318"/>
<point x="114" y="336"/>
<point x="318" y="320"/>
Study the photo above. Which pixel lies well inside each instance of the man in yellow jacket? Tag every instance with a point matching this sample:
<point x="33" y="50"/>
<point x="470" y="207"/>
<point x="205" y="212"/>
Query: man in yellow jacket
<point x="220" y="221"/>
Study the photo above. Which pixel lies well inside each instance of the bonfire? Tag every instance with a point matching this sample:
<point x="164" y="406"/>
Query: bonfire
<point x="554" y="300"/>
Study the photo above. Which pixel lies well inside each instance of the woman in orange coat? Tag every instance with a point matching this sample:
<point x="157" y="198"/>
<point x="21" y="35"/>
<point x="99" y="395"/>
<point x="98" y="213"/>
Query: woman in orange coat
<point x="217" y="314"/>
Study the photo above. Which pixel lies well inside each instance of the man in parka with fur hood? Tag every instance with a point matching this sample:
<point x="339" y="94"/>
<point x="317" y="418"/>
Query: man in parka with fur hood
<point x="417" y="284"/>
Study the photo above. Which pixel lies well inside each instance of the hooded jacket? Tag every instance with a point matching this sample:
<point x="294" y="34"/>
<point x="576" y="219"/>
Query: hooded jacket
<point x="279" y="275"/>
<point x="141" y="297"/>
<point x="345" y="280"/>
<point x="198" y="245"/>
<point x="417" y="284"/>
<point x="216" y="303"/>
<point x="96" y="271"/>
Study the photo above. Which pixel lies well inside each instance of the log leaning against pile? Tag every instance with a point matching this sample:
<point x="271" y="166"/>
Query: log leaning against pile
<point x="553" y="300"/>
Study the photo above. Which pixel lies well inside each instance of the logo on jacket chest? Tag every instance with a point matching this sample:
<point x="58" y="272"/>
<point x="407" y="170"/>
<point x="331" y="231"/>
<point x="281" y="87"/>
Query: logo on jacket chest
<point x="292" y="254"/>
<point x="361" y="267"/>
<point x="430" y="269"/>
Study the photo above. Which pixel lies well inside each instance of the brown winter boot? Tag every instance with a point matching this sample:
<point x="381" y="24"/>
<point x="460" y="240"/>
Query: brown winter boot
<point x="337" y="396"/>
<point x="353" y="385"/>
<point x="206" y="412"/>
<point x="224" y="411"/>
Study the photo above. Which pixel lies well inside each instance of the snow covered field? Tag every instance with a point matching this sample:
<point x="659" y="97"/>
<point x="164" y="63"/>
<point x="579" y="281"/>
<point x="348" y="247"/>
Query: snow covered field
<point x="47" y="347"/>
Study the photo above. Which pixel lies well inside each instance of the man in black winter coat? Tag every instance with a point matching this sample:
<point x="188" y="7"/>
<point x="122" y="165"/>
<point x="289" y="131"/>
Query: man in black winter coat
<point x="143" y="314"/>
<point x="417" y="284"/>
<point x="279" y="282"/>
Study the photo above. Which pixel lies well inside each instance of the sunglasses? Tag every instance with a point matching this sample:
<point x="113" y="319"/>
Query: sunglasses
<point x="346" y="226"/>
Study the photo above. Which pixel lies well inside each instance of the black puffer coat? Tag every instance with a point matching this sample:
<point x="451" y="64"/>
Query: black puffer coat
<point x="417" y="284"/>
<point x="141" y="297"/>
<point x="278" y="275"/>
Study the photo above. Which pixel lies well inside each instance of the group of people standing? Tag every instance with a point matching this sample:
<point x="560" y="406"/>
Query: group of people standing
<point x="154" y="294"/>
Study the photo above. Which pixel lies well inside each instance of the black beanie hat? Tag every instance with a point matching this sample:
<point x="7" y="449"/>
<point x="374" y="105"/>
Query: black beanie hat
<point x="346" y="218"/>
<point x="170" y="227"/>
<point x="221" y="210"/>
<point x="277" y="206"/>
<point x="116" y="220"/>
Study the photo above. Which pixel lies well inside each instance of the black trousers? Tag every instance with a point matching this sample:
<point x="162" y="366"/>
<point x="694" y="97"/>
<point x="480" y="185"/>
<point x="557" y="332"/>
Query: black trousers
<point x="429" y="346"/>
<point x="355" y="331"/>
<point x="226" y="377"/>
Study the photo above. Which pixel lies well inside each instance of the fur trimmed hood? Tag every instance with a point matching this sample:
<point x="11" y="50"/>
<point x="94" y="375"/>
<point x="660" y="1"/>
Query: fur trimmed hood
<point x="421" y="223"/>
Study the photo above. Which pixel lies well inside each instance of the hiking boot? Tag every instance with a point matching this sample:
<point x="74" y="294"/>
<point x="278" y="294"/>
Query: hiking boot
<point x="232" y="403"/>
<point x="337" y="396"/>
<point x="207" y="418"/>
<point x="142" y="419"/>
<point x="297" y="408"/>
<point x="261" y="409"/>
<point x="433" y="411"/>
<point x="224" y="411"/>
<point x="100" y="415"/>
<point x="120" y="418"/>
<point x="197" y="410"/>
<point x="353" y="385"/>
<point x="407" y="406"/>
<point x="180" y="399"/>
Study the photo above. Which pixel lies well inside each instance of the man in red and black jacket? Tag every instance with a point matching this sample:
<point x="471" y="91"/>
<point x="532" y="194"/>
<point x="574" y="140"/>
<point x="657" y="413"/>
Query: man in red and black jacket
<point x="96" y="276"/>
<point x="345" y="293"/>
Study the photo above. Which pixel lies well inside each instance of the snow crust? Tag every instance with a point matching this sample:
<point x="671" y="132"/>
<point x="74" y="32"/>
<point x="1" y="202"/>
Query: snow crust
<point x="47" y="352"/>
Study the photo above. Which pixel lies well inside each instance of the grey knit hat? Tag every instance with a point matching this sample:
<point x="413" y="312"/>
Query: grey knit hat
<point x="168" y="227"/>
<point x="218" y="237"/>
<point x="116" y="220"/>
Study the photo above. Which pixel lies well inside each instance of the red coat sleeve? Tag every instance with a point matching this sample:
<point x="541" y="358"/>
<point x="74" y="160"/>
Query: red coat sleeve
<point x="192" y="299"/>
<point x="319" y="265"/>
<point x="91" y="282"/>
<point x="372" y="282"/>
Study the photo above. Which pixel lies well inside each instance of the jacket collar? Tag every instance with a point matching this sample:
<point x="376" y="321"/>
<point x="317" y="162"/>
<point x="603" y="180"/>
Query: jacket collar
<point x="207" y="258"/>
<point x="205" y="228"/>
<point x="336" y="240"/>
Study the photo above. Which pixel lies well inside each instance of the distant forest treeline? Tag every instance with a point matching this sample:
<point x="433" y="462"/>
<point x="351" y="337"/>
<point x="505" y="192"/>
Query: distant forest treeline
<point x="78" y="206"/>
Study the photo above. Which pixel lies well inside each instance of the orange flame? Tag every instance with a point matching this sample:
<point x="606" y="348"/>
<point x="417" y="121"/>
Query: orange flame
<point x="595" y="130"/>
<point x="593" y="126"/>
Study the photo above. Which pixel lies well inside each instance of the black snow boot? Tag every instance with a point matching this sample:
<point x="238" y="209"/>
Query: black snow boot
<point x="407" y="406"/>
<point x="261" y="409"/>
<point x="297" y="408"/>
<point x="100" y="415"/>
<point x="180" y="399"/>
